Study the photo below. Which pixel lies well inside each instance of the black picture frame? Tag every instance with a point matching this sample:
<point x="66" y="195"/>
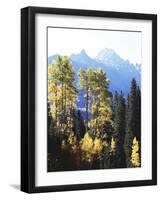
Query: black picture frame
<point x="28" y="98"/>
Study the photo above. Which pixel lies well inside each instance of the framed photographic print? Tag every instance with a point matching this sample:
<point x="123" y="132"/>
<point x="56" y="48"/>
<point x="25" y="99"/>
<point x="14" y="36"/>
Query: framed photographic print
<point x="88" y="99"/>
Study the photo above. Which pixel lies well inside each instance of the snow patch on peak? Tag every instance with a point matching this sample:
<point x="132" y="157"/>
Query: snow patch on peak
<point x="105" y="53"/>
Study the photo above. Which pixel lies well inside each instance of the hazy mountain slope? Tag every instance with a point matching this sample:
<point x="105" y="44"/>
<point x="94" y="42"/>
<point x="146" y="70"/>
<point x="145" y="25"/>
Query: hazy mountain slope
<point x="118" y="71"/>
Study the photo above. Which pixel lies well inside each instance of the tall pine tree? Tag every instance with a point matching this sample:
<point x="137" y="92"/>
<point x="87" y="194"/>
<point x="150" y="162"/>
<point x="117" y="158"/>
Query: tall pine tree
<point x="119" y="121"/>
<point x="133" y="118"/>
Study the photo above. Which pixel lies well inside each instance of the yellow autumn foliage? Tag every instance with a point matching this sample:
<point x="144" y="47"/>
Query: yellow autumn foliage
<point x="90" y="147"/>
<point x="113" y="145"/>
<point x="98" y="146"/>
<point x="87" y="143"/>
<point x="135" y="160"/>
<point x="72" y="140"/>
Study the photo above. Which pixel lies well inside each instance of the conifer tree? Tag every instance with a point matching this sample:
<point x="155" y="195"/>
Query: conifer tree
<point x="101" y="111"/>
<point x="133" y="118"/>
<point x="61" y="92"/>
<point x="79" y="126"/>
<point x="119" y="121"/>
<point x="138" y="114"/>
<point x="61" y="95"/>
<point x="86" y="81"/>
<point x="100" y="124"/>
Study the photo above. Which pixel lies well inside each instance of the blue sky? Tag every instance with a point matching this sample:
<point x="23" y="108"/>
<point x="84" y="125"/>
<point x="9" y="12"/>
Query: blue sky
<point x="68" y="41"/>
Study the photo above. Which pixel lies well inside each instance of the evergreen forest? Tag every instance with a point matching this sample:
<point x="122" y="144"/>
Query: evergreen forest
<point x="104" y="134"/>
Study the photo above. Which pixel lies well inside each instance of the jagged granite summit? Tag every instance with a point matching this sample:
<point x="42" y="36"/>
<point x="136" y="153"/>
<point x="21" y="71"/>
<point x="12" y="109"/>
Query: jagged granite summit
<point x="119" y="71"/>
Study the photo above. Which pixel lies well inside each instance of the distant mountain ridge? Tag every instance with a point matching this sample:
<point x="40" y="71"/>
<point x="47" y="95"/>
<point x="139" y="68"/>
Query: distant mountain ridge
<point x="119" y="71"/>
